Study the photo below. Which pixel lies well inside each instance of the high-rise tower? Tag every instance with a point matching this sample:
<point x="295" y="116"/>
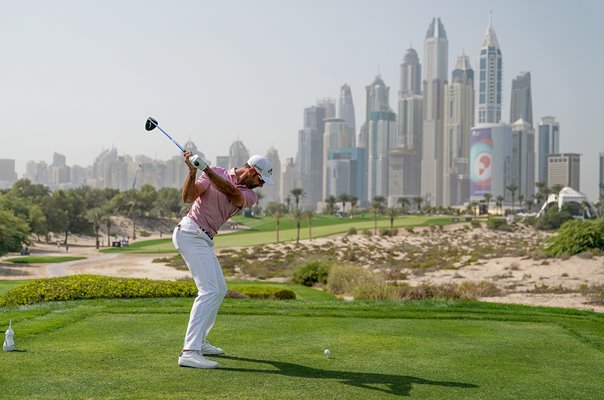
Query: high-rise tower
<point x="522" y="103"/>
<point x="549" y="143"/>
<point x="436" y="48"/>
<point x="346" y="112"/>
<point x="377" y="99"/>
<point x="405" y="160"/>
<point x="459" y="120"/>
<point x="309" y="159"/>
<point x="491" y="77"/>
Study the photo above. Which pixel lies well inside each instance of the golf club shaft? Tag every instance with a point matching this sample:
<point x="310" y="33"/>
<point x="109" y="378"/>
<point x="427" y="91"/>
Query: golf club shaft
<point x="170" y="137"/>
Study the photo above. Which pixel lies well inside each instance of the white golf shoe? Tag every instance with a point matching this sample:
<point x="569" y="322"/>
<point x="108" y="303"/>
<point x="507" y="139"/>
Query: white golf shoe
<point x="195" y="359"/>
<point x="208" y="350"/>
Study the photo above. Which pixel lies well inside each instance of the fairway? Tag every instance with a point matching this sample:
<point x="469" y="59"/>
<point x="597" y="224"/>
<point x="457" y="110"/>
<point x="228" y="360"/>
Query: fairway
<point x="263" y="231"/>
<point x="127" y="349"/>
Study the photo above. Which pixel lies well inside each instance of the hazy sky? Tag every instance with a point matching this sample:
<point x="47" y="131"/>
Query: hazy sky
<point x="81" y="76"/>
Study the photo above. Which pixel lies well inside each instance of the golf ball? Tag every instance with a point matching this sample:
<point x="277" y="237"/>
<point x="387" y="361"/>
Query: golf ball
<point x="327" y="353"/>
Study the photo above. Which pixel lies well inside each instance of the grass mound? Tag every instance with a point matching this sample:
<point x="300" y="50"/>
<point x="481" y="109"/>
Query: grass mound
<point x="83" y="287"/>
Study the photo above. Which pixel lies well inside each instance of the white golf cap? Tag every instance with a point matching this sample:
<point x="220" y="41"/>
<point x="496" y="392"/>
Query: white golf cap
<point x="263" y="166"/>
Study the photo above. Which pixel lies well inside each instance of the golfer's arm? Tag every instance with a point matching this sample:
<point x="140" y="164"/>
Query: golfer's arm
<point x="225" y="187"/>
<point x="191" y="190"/>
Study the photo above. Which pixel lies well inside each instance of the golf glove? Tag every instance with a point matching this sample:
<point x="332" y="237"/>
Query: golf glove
<point x="198" y="162"/>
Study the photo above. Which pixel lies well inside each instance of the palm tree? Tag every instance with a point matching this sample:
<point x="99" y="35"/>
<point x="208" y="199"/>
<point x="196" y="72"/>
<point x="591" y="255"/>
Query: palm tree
<point x="520" y="199"/>
<point x="472" y="207"/>
<point x="343" y="198"/>
<point x="487" y="198"/>
<point x="297" y="214"/>
<point x="288" y="200"/>
<point x="418" y="201"/>
<point x="556" y="189"/>
<point x="499" y="203"/>
<point x="330" y="201"/>
<point x="259" y="196"/>
<point x="107" y="220"/>
<point x="309" y="214"/>
<point x="404" y="203"/>
<point x="277" y="215"/>
<point x="95" y="216"/>
<point x="353" y="203"/>
<point x="298" y="194"/>
<point x="377" y="206"/>
<point x="512" y="189"/>
<point x="391" y="212"/>
<point x="542" y="193"/>
<point x="529" y="204"/>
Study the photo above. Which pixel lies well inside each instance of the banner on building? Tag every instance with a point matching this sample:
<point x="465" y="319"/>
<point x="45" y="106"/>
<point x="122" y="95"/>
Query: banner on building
<point x="481" y="162"/>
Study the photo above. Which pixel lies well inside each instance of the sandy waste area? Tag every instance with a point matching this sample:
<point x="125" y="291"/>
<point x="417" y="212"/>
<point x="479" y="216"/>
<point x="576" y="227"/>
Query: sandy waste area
<point x="516" y="276"/>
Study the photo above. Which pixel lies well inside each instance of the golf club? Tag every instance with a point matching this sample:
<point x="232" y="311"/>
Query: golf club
<point x="194" y="159"/>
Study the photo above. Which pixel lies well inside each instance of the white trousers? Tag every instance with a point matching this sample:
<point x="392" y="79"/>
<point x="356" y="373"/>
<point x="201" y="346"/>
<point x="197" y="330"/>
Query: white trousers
<point x="197" y="250"/>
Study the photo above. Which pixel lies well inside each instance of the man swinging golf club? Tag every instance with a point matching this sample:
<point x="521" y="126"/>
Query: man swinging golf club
<point x="216" y="196"/>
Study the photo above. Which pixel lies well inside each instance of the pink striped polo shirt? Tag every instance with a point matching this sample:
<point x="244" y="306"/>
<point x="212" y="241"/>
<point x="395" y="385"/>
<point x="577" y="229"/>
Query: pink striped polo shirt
<point x="212" y="208"/>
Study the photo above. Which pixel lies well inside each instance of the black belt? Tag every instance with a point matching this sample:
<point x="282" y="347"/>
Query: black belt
<point x="203" y="230"/>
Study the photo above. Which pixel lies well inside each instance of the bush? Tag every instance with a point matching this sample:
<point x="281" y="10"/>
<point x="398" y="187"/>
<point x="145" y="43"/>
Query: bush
<point x="343" y="279"/>
<point x="143" y="233"/>
<point x="266" y="292"/>
<point x="576" y="236"/>
<point x="553" y="219"/>
<point x="78" y="287"/>
<point x="351" y="231"/>
<point x="312" y="273"/>
<point x="498" y="224"/>
<point x="83" y="287"/>
<point x="464" y="291"/>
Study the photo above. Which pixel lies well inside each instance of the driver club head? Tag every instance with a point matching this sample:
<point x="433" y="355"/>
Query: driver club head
<point x="150" y="124"/>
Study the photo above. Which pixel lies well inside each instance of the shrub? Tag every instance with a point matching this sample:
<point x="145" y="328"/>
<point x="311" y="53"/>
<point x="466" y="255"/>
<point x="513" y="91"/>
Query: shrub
<point x="343" y="279"/>
<point x="553" y="219"/>
<point x="312" y="273"/>
<point x="498" y="224"/>
<point x="78" y="287"/>
<point x="144" y="233"/>
<point x="351" y="231"/>
<point x="367" y="232"/>
<point x="576" y="236"/>
<point x="266" y="292"/>
<point x="464" y="291"/>
<point x="83" y="287"/>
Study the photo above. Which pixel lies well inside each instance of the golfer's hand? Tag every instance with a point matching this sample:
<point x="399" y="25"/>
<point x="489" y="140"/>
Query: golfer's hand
<point x="186" y="155"/>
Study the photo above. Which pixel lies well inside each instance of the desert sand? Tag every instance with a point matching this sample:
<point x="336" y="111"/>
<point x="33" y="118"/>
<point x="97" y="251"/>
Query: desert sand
<point x="516" y="276"/>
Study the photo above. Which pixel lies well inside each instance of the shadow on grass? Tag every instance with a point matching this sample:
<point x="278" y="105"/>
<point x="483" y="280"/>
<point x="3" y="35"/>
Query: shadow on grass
<point x="397" y="384"/>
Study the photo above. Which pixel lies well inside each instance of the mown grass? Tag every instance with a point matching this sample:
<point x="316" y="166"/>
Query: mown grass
<point x="262" y="231"/>
<point x="43" y="259"/>
<point x="127" y="349"/>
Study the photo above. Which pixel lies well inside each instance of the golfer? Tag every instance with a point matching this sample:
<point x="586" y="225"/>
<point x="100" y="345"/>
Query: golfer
<point x="216" y="196"/>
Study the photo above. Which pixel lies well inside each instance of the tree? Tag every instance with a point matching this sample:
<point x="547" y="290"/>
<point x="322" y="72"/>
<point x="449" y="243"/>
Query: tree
<point x="343" y="198"/>
<point x="13" y="232"/>
<point x="529" y="204"/>
<point x="556" y="189"/>
<point x="487" y="198"/>
<point x="512" y="189"/>
<point x="404" y="203"/>
<point x="277" y="215"/>
<point x="297" y="214"/>
<point x="95" y="216"/>
<point x="298" y="194"/>
<point x="309" y="215"/>
<point x="65" y="213"/>
<point x="542" y="193"/>
<point x="330" y="203"/>
<point x="391" y="212"/>
<point x="257" y="208"/>
<point x="353" y="203"/>
<point x="499" y="203"/>
<point x="377" y="205"/>
<point x="418" y="200"/>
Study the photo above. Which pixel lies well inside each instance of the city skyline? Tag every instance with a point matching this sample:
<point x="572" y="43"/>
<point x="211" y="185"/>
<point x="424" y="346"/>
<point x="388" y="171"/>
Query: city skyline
<point x="79" y="78"/>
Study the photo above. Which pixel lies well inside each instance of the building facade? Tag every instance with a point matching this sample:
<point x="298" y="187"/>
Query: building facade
<point x="564" y="169"/>
<point x="490" y="79"/>
<point x="521" y="106"/>
<point x="549" y="143"/>
<point x="436" y="50"/>
<point x="523" y="158"/>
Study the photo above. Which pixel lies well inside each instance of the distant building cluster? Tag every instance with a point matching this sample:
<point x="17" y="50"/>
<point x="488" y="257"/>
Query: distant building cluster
<point x="444" y="142"/>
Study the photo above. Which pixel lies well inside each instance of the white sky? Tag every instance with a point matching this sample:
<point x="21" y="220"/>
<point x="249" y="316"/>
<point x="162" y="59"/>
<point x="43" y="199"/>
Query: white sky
<point x="78" y="76"/>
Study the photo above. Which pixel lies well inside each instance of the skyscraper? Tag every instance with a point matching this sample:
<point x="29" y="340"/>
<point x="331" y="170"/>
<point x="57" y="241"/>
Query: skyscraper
<point x="601" y="181"/>
<point x="436" y="50"/>
<point x="522" y="103"/>
<point x="346" y="112"/>
<point x="238" y="154"/>
<point x="377" y="99"/>
<point x="564" y="169"/>
<point x="549" y="143"/>
<point x="309" y="158"/>
<point x="405" y="161"/>
<point x="272" y="193"/>
<point x="523" y="158"/>
<point x="334" y="137"/>
<point x="382" y="138"/>
<point x="459" y="119"/>
<point x="490" y="80"/>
